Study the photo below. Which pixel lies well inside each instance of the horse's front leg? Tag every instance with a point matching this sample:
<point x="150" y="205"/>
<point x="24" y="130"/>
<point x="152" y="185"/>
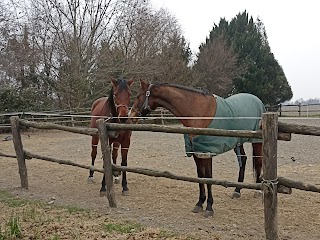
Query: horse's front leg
<point x="94" y="145"/>
<point x="242" y="160"/>
<point x="202" y="194"/>
<point x="124" y="162"/>
<point x="208" y="174"/>
<point x="103" y="190"/>
<point x="115" y="147"/>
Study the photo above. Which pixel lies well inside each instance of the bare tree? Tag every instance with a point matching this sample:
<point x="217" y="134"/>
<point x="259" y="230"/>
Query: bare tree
<point x="67" y="49"/>
<point x="146" y="44"/>
<point x="72" y="31"/>
<point x="216" y="67"/>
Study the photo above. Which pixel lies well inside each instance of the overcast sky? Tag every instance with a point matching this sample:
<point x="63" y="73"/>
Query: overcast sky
<point x="292" y="28"/>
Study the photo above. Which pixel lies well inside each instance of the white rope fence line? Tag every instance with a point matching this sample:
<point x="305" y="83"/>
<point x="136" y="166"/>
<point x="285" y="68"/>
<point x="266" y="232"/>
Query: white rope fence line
<point x="169" y="118"/>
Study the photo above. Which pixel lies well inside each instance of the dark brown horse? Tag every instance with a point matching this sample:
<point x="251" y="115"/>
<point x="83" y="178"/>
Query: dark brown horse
<point x="113" y="109"/>
<point x="198" y="109"/>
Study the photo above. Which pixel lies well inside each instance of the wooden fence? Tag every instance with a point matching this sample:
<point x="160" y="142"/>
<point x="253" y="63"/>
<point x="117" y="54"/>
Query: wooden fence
<point x="272" y="130"/>
<point x="71" y="118"/>
<point x="159" y="116"/>
<point x="296" y="110"/>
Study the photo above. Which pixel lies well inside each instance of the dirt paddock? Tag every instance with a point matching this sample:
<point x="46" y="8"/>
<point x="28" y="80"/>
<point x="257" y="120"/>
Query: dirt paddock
<point x="165" y="203"/>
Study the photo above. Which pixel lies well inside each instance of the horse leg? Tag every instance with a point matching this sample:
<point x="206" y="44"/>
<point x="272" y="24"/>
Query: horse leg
<point x="208" y="174"/>
<point x="115" y="147"/>
<point x="242" y="160"/>
<point x="124" y="162"/>
<point x="257" y="164"/>
<point x="202" y="194"/>
<point x="94" y="146"/>
<point x="103" y="190"/>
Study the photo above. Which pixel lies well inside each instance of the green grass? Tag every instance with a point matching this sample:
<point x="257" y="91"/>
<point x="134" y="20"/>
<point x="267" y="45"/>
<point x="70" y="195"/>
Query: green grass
<point x="122" y="228"/>
<point x="55" y="237"/>
<point x="14" y="227"/>
<point x="73" y="209"/>
<point x="29" y="217"/>
<point x="11" y="201"/>
<point x="12" y="230"/>
<point x="1" y="235"/>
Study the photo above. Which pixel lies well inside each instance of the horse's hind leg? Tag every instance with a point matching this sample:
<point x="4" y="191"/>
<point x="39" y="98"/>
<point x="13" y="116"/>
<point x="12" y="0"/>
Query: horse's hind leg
<point x="257" y="164"/>
<point x="242" y="160"/>
<point x="94" y="146"/>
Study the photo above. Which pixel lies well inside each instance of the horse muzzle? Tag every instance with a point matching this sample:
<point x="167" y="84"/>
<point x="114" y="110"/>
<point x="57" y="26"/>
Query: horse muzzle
<point x="123" y="119"/>
<point x="133" y="115"/>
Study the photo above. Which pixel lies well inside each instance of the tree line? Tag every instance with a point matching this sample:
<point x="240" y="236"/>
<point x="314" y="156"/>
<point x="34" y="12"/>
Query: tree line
<point x="60" y="54"/>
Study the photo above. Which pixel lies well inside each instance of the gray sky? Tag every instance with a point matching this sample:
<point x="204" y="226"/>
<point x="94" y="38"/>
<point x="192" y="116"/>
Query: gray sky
<point x="292" y="28"/>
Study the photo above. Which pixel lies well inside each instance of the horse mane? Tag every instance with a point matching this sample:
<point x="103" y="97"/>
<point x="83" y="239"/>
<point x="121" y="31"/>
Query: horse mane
<point x="190" y="89"/>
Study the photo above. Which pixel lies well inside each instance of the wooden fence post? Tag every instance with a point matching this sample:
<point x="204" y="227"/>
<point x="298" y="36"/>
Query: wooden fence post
<point x="72" y="121"/>
<point x="269" y="184"/>
<point x="18" y="147"/>
<point x="106" y="154"/>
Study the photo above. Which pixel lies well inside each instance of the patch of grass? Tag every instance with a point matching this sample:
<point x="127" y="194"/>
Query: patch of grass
<point x="123" y="228"/>
<point x="10" y="200"/>
<point x="14" y="227"/>
<point x="164" y="234"/>
<point x="73" y="209"/>
<point x="1" y="235"/>
<point x="36" y="219"/>
<point x="55" y="237"/>
<point x="30" y="213"/>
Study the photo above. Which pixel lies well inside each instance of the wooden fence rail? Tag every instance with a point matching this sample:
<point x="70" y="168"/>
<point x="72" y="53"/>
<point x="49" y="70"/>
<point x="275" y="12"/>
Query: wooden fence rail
<point x="285" y="183"/>
<point x="80" y="117"/>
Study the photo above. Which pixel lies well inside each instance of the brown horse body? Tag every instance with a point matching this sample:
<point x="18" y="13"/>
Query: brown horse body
<point x="186" y="102"/>
<point x="113" y="109"/>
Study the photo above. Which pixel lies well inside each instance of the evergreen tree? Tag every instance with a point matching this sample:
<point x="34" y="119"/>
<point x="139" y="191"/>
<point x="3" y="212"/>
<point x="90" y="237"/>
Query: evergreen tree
<point x="264" y="77"/>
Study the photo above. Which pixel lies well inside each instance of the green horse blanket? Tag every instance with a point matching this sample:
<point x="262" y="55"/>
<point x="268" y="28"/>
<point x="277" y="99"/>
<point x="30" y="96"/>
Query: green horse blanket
<point x="239" y="112"/>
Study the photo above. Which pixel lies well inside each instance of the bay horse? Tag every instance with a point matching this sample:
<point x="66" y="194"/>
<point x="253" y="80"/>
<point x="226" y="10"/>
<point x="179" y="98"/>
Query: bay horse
<point x="114" y="109"/>
<point x="238" y="112"/>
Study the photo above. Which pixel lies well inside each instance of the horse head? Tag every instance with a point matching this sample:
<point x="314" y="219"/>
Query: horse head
<point x="120" y="95"/>
<point x="144" y="102"/>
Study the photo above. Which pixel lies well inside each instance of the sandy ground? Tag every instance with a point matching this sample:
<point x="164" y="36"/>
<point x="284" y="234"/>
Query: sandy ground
<point x="165" y="203"/>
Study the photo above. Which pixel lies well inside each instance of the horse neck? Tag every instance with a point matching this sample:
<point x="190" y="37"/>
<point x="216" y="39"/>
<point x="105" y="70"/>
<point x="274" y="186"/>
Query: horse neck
<point x="184" y="103"/>
<point x="110" y="105"/>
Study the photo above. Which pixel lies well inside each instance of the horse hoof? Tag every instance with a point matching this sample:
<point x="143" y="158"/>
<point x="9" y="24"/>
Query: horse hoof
<point x="116" y="180"/>
<point x="235" y="195"/>
<point x="103" y="194"/>
<point x="197" y="209"/>
<point x="90" y="180"/>
<point x="125" y="193"/>
<point x="257" y="194"/>
<point x="208" y="214"/>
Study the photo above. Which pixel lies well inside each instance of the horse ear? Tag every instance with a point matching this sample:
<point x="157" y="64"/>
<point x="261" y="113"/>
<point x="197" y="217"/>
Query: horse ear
<point x="143" y="84"/>
<point x="130" y="81"/>
<point x="114" y="81"/>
